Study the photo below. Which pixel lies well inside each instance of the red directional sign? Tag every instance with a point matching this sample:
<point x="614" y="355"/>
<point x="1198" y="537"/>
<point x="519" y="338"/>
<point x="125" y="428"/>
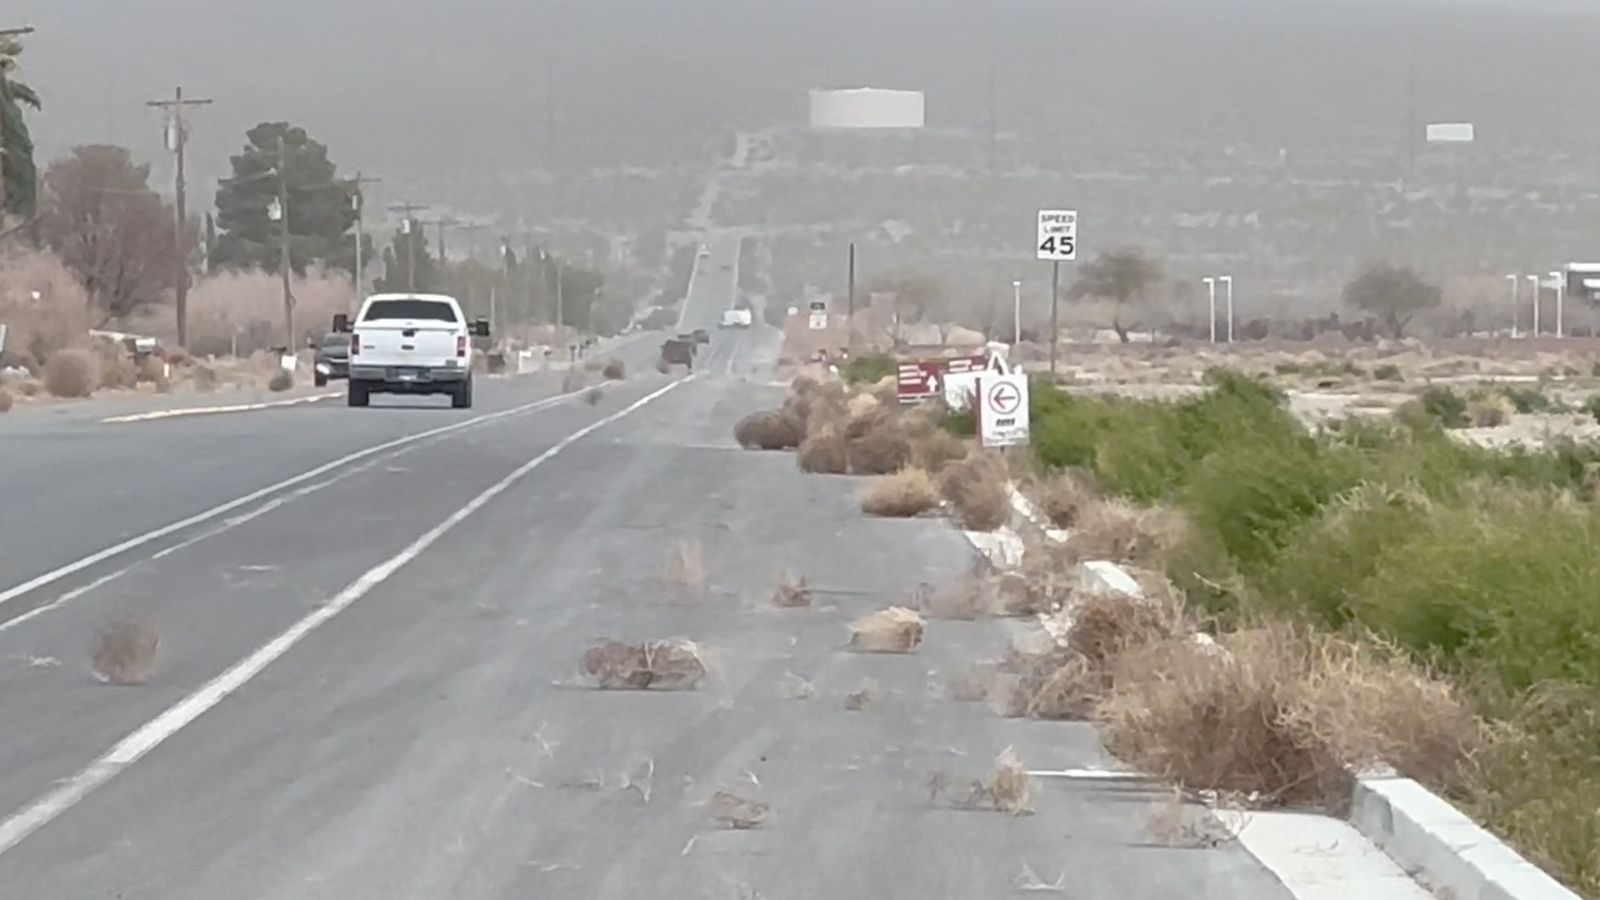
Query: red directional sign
<point x="917" y="381"/>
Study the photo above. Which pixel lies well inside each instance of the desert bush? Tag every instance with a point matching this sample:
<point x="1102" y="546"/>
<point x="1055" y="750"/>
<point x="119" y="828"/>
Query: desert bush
<point x="247" y="308"/>
<point x="1119" y="531"/>
<point x="614" y="370"/>
<point x="883" y="450"/>
<point x="902" y="495"/>
<point x="71" y="373"/>
<point x="1061" y="497"/>
<point x="932" y="447"/>
<point x="978" y="491"/>
<point x="56" y="320"/>
<point x="868" y="368"/>
<point x="1444" y="406"/>
<point x="1526" y="400"/>
<point x="280" y="381"/>
<point x="892" y="630"/>
<point x="5" y="401"/>
<point x="125" y="654"/>
<point x="1387" y="372"/>
<point x="1489" y="411"/>
<point x="771" y="430"/>
<point x="1284" y="715"/>
<point x="824" y="452"/>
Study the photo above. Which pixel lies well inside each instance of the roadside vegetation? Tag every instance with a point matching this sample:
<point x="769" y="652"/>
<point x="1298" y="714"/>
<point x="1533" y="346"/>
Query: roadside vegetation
<point x="1376" y="554"/>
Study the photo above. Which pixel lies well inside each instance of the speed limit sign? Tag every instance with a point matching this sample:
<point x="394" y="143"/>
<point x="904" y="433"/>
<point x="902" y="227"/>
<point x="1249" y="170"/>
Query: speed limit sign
<point x="1058" y="235"/>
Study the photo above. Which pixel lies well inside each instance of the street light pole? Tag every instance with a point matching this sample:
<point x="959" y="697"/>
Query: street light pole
<point x="1535" y="280"/>
<point x="1561" y="301"/>
<point x="1211" y="290"/>
<point x="358" y="202"/>
<point x="1516" y="305"/>
<point x="1016" y="313"/>
<point x="1228" y="280"/>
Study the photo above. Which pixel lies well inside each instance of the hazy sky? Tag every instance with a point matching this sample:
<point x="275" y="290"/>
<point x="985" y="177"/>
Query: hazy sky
<point x="414" y="88"/>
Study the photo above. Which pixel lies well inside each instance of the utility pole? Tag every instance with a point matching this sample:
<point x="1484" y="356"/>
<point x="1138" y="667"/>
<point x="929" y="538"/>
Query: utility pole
<point x="284" y="259"/>
<point x="358" y="202"/>
<point x="1055" y="312"/>
<point x="177" y="136"/>
<point x="409" y="210"/>
<point x="850" y="308"/>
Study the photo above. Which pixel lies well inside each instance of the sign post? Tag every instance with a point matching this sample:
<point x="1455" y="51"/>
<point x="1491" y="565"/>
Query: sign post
<point x="1003" y="410"/>
<point x="1057" y="243"/>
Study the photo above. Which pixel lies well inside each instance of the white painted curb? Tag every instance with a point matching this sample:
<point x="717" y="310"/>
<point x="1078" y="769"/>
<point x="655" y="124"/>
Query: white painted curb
<point x="1444" y="849"/>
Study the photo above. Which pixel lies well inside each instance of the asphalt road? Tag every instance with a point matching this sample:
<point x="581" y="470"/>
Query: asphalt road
<point x="367" y="690"/>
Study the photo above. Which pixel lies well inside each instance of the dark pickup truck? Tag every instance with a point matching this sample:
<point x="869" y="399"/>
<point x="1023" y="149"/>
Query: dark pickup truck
<point x="678" y="352"/>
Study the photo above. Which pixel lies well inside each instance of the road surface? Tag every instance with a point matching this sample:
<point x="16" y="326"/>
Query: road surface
<point x="366" y="683"/>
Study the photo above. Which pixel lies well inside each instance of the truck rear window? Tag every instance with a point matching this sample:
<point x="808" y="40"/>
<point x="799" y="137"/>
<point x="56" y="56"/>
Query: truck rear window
<point x="410" y="309"/>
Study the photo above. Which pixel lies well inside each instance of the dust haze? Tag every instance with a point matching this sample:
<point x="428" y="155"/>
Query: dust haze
<point x="1280" y="141"/>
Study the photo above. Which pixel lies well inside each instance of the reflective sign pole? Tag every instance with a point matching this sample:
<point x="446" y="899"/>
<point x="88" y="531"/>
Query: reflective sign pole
<point x="1055" y="312"/>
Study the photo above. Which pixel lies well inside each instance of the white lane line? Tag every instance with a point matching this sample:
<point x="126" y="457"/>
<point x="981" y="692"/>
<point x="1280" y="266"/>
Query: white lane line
<point x="213" y="410"/>
<point x="57" y="574"/>
<point x="130" y="749"/>
<point x="226" y="525"/>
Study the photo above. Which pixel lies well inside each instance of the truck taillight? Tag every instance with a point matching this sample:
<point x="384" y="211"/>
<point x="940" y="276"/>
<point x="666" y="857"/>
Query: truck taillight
<point x="355" y="344"/>
<point x="461" y="345"/>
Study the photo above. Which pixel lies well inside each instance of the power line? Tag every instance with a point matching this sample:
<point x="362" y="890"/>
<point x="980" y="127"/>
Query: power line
<point x="178" y="136"/>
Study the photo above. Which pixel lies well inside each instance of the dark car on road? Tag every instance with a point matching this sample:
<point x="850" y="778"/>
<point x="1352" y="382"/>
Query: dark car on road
<point x="332" y="358"/>
<point x="701" y="336"/>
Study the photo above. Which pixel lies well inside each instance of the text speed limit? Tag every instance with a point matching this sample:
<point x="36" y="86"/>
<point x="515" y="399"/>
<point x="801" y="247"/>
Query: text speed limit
<point x="1058" y="235"/>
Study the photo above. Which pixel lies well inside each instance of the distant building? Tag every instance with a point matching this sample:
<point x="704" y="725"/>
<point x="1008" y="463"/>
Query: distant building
<point x="867" y="108"/>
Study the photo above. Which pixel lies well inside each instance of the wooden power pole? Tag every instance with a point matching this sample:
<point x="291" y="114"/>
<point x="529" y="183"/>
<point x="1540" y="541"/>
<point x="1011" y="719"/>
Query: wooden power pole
<point x="177" y="136"/>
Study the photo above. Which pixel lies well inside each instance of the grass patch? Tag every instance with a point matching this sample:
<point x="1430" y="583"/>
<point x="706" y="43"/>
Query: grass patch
<point x="868" y="368"/>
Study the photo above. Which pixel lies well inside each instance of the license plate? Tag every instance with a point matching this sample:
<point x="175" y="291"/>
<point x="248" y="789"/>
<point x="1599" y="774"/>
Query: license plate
<point x="407" y="375"/>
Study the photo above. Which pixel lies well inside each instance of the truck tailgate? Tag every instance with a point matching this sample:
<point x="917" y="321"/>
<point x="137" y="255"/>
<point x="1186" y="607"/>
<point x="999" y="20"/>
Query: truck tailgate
<point x="403" y="343"/>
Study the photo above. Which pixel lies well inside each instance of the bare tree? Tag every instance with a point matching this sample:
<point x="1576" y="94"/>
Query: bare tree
<point x="101" y="218"/>
<point x="1121" y="276"/>
<point x="1392" y="294"/>
<point x="911" y="299"/>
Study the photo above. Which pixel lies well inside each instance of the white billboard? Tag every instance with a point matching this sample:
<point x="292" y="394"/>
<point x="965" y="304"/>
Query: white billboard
<point x="867" y="108"/>
<point x="1451" y="133"/>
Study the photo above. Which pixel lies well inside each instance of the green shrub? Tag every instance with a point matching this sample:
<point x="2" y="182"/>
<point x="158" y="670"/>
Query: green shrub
<point x="868" y="368"/>
<point x="1526" y="400"/>
<point x="1592" y="405"/>
<point x="1387" y="372"/>
<point x="1444" y="406"/>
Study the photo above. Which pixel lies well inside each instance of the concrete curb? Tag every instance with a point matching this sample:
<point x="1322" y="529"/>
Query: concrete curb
<point x="1442" y="848"/>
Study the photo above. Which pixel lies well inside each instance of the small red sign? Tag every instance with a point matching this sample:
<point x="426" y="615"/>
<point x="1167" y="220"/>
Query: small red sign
<point x="917" y="381"/>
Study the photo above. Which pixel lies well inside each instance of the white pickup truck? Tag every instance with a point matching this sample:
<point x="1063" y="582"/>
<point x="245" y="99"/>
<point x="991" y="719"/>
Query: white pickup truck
<point x="413" y="344"/>
<point x="735" y="318"/>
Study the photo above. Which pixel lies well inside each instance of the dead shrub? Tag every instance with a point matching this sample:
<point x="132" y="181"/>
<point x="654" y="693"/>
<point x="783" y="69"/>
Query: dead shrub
<point x="883" y="451"/>
<point x="977" y="490"/>
<point x="1061" y="497"/>
<point x="803" y="385"/>
<point x="1104" y="626"/>
<point x="204" y="378"/>
<point x="280" y="381"/>
<point x="1008" y="788"/>
<point x="1070" y="693"/>
<point x="1173" y="822"/>
<point x="738" y="813"/>
<point x="5" y="401"/>
<point x="242" y="312"/>
<point x="796" y="687"/>
<point x="1117" y="531"/>
<point x="29" y="387"/>
<point x="1282" y="714"/>
<point x="125" y="654"/>
<point x="770" y="430"/>
<point x="594" y="395"/>
<point x="857" y="700"/>
<point x="863" y="407"/>
<point x="71" y="373"/>
<point x="892" y="630"/>
<point x="674" y="664"/>
<point x="614" y="370"/>
<point x="116" y="369"/>
<point x="934" y="448"/>
<point x="39" y="326"/>
<point x="824" y="409"/>
<point x="824" y="452"/>
<point x="792" y="591"/>
<point x="685" y="568"/>
<point x="905" y="494"/>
